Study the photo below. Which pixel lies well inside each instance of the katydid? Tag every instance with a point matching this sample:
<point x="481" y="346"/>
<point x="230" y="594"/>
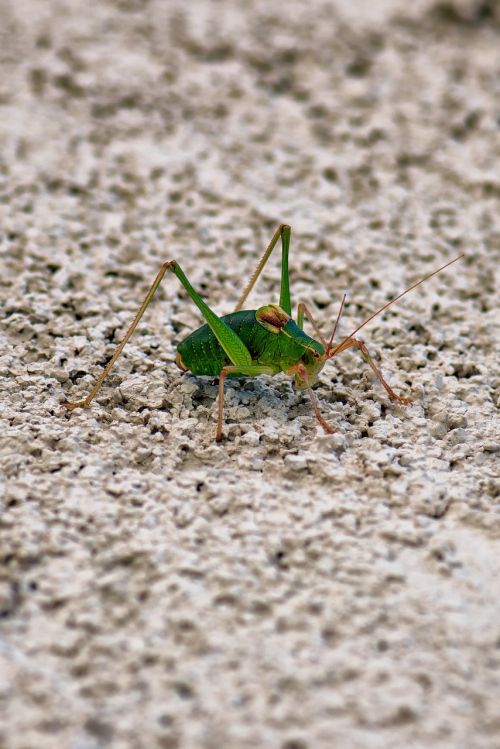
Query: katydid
<point x="253" y="342"/>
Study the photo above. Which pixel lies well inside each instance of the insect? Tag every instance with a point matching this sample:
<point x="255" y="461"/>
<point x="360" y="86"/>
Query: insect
<point x="254" y="342"/>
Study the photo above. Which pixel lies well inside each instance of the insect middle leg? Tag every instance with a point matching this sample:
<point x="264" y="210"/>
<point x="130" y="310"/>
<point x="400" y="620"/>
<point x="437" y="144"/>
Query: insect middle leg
<point x="360" y="345"/>
<point x="303" y="311"/>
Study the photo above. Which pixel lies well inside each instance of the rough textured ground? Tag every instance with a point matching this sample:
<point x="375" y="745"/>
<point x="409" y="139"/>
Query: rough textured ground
<point x="287" y="589"/>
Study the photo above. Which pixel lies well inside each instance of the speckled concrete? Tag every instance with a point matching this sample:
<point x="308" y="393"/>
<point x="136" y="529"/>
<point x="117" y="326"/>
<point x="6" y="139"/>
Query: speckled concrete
<point x="286" y="589"/>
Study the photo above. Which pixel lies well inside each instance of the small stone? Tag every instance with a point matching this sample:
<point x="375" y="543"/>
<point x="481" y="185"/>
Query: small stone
<point x="296" y="462"/>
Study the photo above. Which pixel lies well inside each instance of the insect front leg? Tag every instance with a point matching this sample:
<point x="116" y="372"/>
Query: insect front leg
<point x="300" y="370"/>
<point x="360" y="345"/>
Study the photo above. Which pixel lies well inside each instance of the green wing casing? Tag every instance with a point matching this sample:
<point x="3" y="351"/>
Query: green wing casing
<point x="202" y="354"/>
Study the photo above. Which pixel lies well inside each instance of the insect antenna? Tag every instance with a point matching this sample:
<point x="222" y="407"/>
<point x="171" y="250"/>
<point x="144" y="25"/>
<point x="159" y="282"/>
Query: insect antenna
<point x="329" y="346"/>
<point x="332" y="352"/>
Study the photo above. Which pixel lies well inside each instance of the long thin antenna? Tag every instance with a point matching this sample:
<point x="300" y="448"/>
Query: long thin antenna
<point x="391" y="301"/>
<point x="336" y="324"/>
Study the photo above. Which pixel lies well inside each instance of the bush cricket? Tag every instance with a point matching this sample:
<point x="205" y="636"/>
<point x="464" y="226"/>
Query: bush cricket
<point x="264" y="341"/>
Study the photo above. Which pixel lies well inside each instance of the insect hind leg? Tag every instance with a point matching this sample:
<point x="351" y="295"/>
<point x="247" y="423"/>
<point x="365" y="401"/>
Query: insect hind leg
<point x="233" y="346"/>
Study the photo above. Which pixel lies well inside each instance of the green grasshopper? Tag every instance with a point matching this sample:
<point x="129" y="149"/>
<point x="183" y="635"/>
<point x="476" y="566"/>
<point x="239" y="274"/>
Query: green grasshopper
<point x="254" y="342"/>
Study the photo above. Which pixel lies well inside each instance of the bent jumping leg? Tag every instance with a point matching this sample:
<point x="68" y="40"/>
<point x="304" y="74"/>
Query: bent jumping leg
<point x="314" y="403"/>
<point x="282" y="231"/>
<point x="233" y="346"/>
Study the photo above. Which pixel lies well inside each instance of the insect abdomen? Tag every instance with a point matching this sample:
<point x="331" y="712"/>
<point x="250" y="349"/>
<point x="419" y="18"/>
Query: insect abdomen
<point x="202" y="354"/>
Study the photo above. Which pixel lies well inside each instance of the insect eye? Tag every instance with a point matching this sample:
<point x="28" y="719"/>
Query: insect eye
<point x="315" y="354"/>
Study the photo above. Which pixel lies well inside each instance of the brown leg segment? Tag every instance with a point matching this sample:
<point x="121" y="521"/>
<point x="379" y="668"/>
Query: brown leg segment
<point x="314" y="403"/>
<point x="359" y="344"/>
<point x="85" y="403"/>
<point x="300" y="370"/>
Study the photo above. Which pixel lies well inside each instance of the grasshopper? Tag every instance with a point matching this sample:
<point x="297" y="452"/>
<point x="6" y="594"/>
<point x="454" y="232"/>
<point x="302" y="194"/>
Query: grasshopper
<point x="263" y="341"/>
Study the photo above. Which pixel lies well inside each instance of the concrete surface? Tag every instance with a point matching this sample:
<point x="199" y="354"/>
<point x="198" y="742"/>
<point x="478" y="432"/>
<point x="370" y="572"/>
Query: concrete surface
<point x="287" y="589"/>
